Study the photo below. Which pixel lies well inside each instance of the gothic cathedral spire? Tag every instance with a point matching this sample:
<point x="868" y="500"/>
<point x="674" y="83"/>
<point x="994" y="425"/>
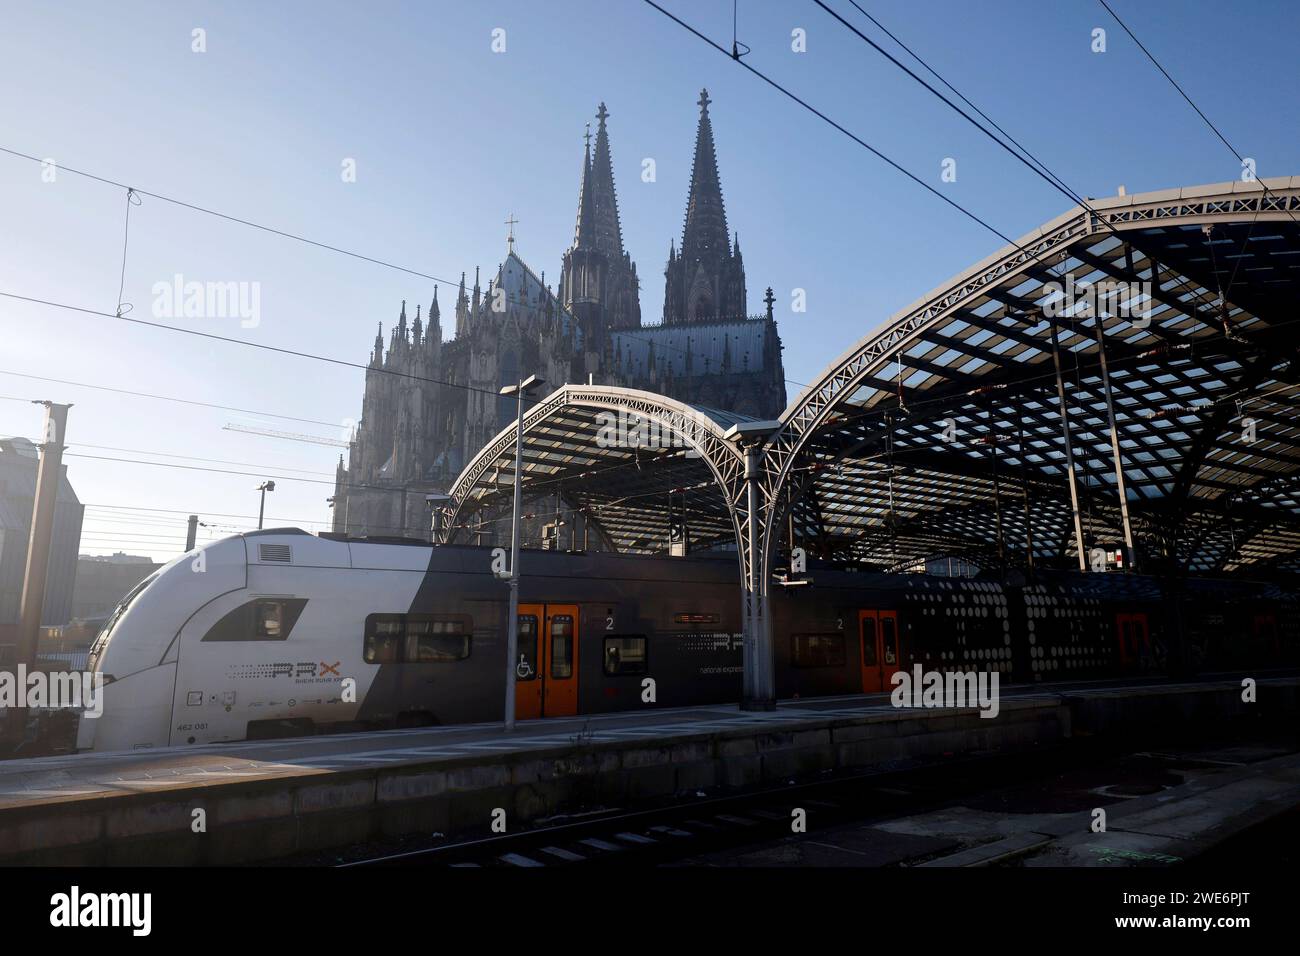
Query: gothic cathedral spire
<point x="598" y="283"/>
<point x="704" y="236"/>
<point x="608" y="235"/>
<point x="705" y="280"/>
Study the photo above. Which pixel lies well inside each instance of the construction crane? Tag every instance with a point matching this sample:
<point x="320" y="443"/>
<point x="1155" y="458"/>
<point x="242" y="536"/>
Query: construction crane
<point x="290" y="436"/>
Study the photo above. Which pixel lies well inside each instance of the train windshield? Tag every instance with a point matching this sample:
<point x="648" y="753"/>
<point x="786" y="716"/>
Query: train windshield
<point x="101" y="639"/>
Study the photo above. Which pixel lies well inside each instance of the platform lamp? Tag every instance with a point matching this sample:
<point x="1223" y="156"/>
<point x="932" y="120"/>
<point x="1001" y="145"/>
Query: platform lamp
<point x="264" y="487"/>
<point x="512" y="641"/>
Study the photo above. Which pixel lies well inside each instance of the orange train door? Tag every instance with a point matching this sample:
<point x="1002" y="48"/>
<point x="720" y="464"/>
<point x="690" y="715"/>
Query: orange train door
<point x="1134" y="640"/>
<point x="881" y="655"/>
<point x="560" y="683"/>
<point x="1266" y="632"/>
<point x="546" y="666"/>
<point x="528" y="671"/>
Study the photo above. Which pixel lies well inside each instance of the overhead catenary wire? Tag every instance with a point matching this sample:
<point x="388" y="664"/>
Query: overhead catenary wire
<point x="211" y="461"/>
<point x="826" y="119"/>
<point x="194" y="207"/>
<point x="1223" y="293"/>
<point x="1041" y="169"/>
<point x="1048" y="176"/>
<point x="246" y="343"/>
<point x="168" y="398"/>
<point x="1183" y="93"/>
<point x="133" y="198"/>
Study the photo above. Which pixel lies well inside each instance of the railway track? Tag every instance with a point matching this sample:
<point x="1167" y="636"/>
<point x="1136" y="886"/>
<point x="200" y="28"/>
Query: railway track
<point x="1071" y="777"/>
<point x="662" y="834"/>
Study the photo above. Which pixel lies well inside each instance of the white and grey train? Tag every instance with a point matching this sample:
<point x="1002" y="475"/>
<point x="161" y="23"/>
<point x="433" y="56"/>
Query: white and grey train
<point x="281" y="632"/>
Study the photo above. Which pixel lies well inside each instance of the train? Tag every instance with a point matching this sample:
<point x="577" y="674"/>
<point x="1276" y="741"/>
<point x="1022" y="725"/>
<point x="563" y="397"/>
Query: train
<point x="281" y="632"/>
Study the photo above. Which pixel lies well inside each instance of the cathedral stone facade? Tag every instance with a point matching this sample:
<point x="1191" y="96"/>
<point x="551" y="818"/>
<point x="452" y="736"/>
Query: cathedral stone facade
<point x="414" y="437"/>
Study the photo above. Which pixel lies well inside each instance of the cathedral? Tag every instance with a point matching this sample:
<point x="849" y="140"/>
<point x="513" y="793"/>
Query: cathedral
<point x="414" y="437"/>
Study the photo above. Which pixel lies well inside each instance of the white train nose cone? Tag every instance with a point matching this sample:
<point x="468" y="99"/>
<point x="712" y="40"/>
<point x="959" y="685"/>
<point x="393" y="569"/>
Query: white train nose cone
<point x="86" y="732"/>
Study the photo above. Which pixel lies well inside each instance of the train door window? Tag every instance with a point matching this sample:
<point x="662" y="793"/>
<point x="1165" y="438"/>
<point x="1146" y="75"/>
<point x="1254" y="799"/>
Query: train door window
<point x="383" y="636"/>
<point x="625" y="655"/>
<point x="526" y="666"/>
<point x="819" y="650"/>
<point x="436" y="639"/>
<point x="561" y="646"/>
<point x="869" y="642"/>
<point x="889" y="640"/>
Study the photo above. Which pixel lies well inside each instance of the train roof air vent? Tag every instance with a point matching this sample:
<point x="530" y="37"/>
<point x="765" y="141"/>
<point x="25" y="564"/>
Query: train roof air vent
<point x="275" y="552"/>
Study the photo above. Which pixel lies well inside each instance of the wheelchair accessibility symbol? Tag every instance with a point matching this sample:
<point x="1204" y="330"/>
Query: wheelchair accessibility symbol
<point x="523" y="670"/>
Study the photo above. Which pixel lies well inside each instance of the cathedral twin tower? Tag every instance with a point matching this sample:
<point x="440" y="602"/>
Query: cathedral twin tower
<point x="414" y="437"/>
<point x="705" y="280"/>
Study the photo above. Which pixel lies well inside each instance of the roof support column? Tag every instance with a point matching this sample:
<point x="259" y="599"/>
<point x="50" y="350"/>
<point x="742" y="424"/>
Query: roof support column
<point x="1024" y="472"/>
<point x="759" y="689"/>
<point x="1069" y="448"/>
<point x="1130" y="556"/>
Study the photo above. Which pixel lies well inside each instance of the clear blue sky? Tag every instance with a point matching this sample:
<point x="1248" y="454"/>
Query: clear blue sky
<point x="450" y="138"/>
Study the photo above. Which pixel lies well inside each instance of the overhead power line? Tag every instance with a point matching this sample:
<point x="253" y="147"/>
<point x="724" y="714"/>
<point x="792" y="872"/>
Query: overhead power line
<point x="244" y="342"/>
<point x="168" y="398"/>
<point x="845" y="131"/>
<point x="1032" y="162"/>
<point x="1181" y="92"/>
<point x="194" y="207"/>
<point x="211" y="461"/>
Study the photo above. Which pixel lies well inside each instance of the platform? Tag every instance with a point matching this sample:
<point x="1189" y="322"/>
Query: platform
<point x="271" y="799"/>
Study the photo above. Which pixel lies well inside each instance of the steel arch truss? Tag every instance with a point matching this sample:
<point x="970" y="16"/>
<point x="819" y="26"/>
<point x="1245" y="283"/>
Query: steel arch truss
<point x="944" y="432"/>
<point x="631" y="460"/>
<point x="977" y="423"/>
<point x="1014" y="416"/>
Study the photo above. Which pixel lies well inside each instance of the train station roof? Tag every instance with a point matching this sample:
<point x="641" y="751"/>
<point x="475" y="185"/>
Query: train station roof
<point x="628" y="460"/>
<point x="946" y="422"/>
<point x="948" y="431"/>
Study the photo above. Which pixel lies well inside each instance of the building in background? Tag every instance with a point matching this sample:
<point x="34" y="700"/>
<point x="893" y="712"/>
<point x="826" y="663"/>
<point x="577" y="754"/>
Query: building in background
<point x="103" y="580"/>
<point x="19" y="459"/>
<point x="414" y="437"/>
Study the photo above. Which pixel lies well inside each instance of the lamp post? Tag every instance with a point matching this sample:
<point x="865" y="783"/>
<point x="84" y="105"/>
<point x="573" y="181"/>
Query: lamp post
<point x="512" y="641"/>
<point x="434" y="503"/>
<point x="264" y="487"/>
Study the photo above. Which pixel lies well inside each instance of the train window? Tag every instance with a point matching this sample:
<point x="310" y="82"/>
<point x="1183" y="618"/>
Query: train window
<point x="436" y="639"/>
<point x="561" y="646"/>
<point x="266" y="619"/>
<point x="526" y="666"/>
<point x="625" y="655"/>
<point x="869" y="642"/>
<point x="819" y="650"/>
<point x="383" y="635"/>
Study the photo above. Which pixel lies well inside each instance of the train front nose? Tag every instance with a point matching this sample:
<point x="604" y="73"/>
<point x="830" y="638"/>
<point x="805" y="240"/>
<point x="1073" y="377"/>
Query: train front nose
<point x="86" y="730"/>
<point x="130" y="713"/>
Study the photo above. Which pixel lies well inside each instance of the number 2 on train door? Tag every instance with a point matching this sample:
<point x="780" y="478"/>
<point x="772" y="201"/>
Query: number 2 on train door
<point x="546" y="666"/>
<point x="881" y="655"/>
